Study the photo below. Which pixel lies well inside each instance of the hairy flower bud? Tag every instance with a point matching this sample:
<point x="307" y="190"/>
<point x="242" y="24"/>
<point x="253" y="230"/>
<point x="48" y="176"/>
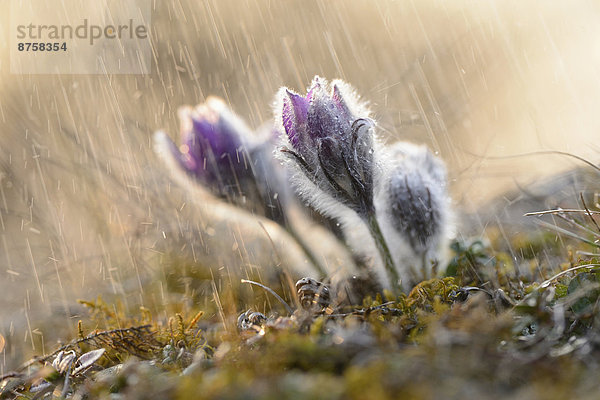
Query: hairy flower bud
<point x="222" y="153"/>
<point x="413" y="208"/>
<point x="329" y="144"/>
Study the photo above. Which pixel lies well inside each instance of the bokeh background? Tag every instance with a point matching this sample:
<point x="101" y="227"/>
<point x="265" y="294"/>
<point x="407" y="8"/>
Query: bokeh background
<point x="87" y="208"/>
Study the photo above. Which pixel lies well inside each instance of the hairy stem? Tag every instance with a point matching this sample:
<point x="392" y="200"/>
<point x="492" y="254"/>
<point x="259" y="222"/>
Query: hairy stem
<point x="384" y="251"/>
<point x="307" y="251"/>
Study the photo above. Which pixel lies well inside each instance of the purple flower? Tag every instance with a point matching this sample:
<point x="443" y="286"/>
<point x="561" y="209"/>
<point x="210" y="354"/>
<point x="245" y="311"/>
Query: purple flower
<point x="330" y="150"/>
<point x="212" y="150"/>
<point x="222" y="153"/>
<point x="330" y="141"/>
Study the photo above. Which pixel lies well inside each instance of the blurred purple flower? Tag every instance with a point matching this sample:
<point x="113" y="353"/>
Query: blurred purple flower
<point x="330" y="140"/>
<point x="223" y="154"/>
<point x="211" y="148"/>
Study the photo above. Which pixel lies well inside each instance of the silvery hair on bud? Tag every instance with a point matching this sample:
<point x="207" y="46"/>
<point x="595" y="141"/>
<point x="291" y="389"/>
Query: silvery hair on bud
<point x="308" y="190"/>
<point x="413" y="209"/>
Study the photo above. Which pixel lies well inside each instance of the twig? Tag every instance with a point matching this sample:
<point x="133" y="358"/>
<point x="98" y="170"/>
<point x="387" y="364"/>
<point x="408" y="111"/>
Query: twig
<point x="73" y="343"/>
<point x="539" y="153"/>
<point x="12" y="374"/>
<point x="268" y="289"/>
<point x="558" y="211"/>
<point x="576" y="224"/>
<point x="568" y="233"/>
<point x="364" y="311"/>
<point x="548" y="281"/>
<point x="589" y="213"/>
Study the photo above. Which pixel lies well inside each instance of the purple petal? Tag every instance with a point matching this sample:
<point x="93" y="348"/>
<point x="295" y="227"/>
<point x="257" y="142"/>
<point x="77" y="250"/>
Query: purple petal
<point x="211" y="134"/>
<point x="300" y="106"/>
<point x="204" y="135"/>
<point x="326" y="120"/>
<point x="340" y="103"/>
<point x="295" y="113"/>
<point x="288" y="119"/>
<point x="210" y="142"/>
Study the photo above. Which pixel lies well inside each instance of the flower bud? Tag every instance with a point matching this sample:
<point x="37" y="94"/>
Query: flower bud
<point x="413" y="208"/>
<point x="222" y="153"/>
<point x="329" y="146"/>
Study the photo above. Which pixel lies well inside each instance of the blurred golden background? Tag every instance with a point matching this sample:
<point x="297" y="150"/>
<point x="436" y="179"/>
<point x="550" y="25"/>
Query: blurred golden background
<point x="87" y="208"/>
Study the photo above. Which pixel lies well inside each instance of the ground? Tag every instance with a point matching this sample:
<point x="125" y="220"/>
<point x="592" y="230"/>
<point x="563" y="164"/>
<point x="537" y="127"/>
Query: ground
<point x="495" y="326"/>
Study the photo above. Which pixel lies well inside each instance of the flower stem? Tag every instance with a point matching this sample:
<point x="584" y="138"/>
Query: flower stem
<point x="307" y="251"/>
<point x="384" y="252"/>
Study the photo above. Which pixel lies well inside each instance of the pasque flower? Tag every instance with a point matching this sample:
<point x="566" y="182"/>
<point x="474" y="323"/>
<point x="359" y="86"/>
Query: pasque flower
<point x="417" y="195"/>
<point x="330" y="141"/>
<point x="329" y="146"/>
<point x="414" y="210"/>
<point x="390" y="199"/>
<point x="223" y="154"/>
